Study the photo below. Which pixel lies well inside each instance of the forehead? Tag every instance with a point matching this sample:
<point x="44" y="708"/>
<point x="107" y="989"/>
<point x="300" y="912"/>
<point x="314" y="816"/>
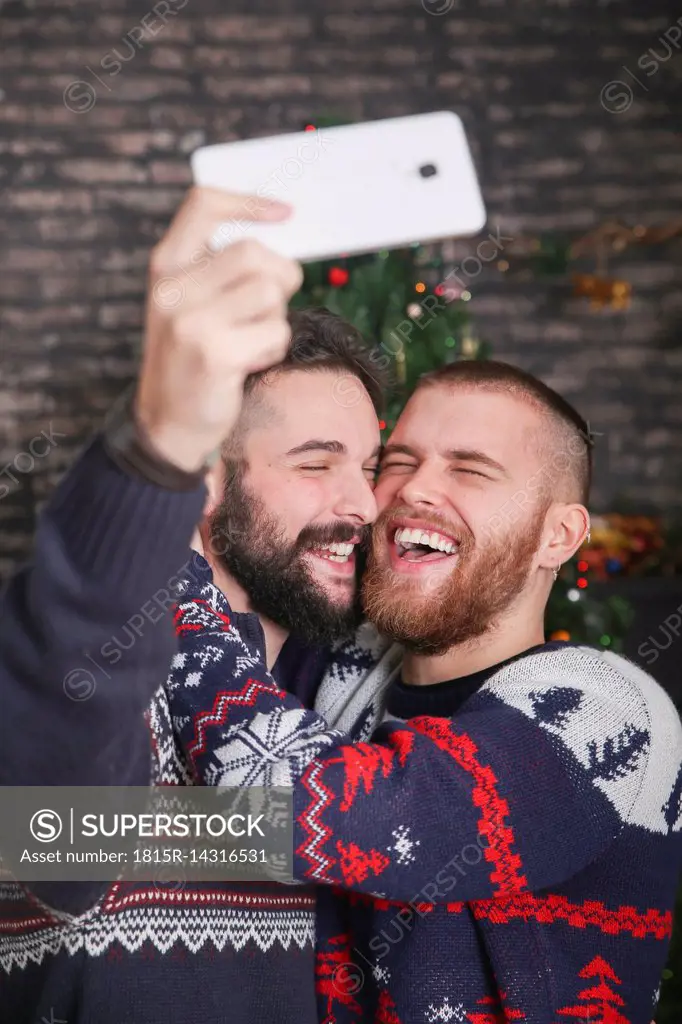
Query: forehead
<point x="442" y="417"/>
<point x="326" y="404"/>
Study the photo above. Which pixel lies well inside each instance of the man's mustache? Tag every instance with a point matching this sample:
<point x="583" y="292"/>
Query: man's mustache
<point x="317" y="535"/>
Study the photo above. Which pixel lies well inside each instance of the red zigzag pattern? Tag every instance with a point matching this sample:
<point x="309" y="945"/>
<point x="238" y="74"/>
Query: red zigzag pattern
<point x="246" y="697"/>
<point x="311" y="821"/>
<point x="360" y="765"/>
<point x="591" y="913"/>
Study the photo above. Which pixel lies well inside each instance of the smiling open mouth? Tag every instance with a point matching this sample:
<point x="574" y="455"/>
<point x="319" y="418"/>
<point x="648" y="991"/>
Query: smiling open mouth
<point x="341" y="552"/>
<point x="413" y="544"/>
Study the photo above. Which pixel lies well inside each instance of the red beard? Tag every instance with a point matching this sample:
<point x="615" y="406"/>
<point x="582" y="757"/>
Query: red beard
<point x="457" y="600"/>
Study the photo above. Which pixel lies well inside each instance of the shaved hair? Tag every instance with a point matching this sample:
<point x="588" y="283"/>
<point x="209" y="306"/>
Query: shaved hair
<point x="256" y="411"/>
<point x="562" y="439"/>
<point x="321" y="341"/>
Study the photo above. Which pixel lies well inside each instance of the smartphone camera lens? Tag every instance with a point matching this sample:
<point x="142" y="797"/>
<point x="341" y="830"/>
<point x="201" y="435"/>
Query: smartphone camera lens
<point x="428" y="170"/>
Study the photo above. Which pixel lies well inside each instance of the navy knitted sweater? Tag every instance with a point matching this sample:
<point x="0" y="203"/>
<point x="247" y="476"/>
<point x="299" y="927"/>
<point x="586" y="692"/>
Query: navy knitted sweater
<point x="86" y="638"/>
<point x="514" y="860"/>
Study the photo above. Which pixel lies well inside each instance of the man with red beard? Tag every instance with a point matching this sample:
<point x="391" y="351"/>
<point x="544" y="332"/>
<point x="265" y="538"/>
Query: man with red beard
<point x="511" y="834"/>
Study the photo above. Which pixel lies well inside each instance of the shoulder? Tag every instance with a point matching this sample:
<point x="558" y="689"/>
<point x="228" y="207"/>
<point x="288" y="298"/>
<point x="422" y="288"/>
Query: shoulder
<point x="350" y="696"/>
<point x="365" y="646"/>
<point x="613" y="718"/>
<point x="555" y="686"/>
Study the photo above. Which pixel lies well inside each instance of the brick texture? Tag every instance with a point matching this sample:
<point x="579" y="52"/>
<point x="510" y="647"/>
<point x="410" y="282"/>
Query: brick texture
<point x="101" y="104"/>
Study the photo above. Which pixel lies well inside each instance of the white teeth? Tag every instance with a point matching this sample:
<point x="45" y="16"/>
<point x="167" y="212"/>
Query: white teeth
<point x="338" y="548"/>
<point x="338" y="552"/>
<point x="409" y="537"/>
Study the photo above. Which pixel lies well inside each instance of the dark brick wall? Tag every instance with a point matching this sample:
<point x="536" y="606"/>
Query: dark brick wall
<point x="90" y="174"/>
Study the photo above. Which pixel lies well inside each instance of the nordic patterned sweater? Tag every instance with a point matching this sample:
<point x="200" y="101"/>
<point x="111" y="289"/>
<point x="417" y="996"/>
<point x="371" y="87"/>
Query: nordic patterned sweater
<point x="517" y="860"/>
<point x="86" y="639"/>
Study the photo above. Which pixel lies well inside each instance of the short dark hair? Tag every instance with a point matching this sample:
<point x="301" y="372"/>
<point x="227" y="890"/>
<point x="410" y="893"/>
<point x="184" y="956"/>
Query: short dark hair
<point x="322" y="340"/>
<point x="491" y="375"/>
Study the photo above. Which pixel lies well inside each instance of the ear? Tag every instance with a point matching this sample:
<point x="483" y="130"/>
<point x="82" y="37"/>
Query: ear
<point x="215" y="483"/>
<point x="566" y="527"/>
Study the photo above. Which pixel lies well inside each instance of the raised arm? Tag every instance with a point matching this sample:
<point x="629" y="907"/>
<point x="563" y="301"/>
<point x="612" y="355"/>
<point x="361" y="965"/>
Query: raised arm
<point x="108" y="548"/>
<point x="117" y="532"/>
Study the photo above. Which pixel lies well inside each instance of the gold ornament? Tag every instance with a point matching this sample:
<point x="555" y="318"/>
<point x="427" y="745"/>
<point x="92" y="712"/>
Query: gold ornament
<point x="469" y="346"/>
<point x="602" y="291"/>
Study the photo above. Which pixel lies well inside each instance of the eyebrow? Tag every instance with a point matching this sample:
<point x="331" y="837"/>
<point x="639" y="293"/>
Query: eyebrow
<point x="333" y="447"/>
<point x="453" y="455"/>
<point x="472" y="455"/>
<point x="398" y="449"/>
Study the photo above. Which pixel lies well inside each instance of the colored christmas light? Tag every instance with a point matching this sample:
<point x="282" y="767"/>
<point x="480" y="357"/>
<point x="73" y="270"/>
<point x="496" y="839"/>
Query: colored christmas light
<point x="338" y="276"/>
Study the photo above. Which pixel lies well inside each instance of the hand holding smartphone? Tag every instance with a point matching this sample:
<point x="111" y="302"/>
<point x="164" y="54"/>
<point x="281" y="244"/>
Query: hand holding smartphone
<point x="354" y="189"/>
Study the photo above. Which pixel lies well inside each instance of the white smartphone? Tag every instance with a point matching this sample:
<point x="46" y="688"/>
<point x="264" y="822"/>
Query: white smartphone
<point x="354" y="189"/>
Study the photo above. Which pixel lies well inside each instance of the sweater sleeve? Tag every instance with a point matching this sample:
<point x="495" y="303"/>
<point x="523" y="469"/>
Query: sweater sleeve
<point x="74" y="687"/>
<point x="486" y="804"/>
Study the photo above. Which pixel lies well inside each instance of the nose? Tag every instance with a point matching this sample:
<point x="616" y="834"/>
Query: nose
<point x="422" y="488"/>
<point x="356" y="502"/>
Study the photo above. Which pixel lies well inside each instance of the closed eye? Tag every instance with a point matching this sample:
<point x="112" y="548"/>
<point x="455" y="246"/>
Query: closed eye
<point x="471" y="472"/>
<point x="394" y="464"/>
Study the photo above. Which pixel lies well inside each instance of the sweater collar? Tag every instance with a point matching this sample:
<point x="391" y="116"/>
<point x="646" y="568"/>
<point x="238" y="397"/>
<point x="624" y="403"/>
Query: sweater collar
<point x="443" y="700"/>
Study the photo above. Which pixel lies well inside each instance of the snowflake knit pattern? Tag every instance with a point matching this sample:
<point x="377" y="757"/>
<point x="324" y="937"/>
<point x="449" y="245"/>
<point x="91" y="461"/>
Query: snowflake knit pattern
<point x="517" y="861"/>
<point x="161" y="952"/>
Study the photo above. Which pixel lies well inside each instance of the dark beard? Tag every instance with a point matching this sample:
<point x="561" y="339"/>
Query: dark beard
<point x="250" y="543"/>
<point x="454" y="605"/>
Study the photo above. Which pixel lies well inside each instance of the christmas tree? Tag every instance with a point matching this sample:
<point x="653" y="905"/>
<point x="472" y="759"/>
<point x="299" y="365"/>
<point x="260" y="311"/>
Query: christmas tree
<point x="416" y="311"/>
<point x="600" y="1001"/>
<point x="495" y="1013"/>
